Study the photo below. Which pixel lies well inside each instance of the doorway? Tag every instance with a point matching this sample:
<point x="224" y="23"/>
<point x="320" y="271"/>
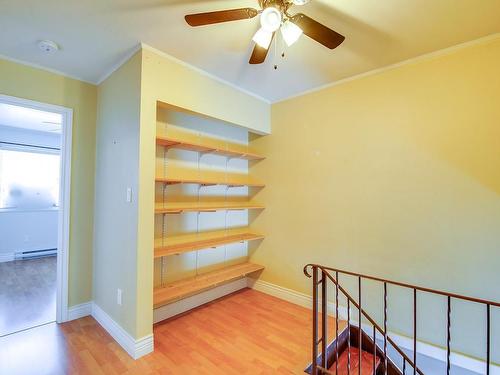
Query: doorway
<point x="35" y="161"/>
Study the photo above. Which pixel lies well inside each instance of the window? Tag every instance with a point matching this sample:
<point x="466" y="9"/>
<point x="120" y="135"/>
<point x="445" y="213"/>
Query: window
<point x="28" y="180"/>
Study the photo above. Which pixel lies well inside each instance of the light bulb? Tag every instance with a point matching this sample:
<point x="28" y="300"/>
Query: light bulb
<point x="300" y="2"/>
<point x="263" y="38"/>
<point x="291" y="32"/>
<point x="270" y="19"/>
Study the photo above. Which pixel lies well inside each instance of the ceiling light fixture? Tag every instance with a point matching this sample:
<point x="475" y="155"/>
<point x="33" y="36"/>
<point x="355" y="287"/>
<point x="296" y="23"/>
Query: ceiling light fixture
<point x="263" y="38"/>
<point x="270" y="19"/>
<point x="290" y="32"/>
<point x="273" y="14"/>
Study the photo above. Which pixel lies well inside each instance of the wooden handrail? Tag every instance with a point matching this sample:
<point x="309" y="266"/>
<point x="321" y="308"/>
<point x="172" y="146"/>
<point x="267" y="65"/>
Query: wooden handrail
<point x="350" y="300"/>
<point x="404" y="285"/>
<point x="365" y="314"/>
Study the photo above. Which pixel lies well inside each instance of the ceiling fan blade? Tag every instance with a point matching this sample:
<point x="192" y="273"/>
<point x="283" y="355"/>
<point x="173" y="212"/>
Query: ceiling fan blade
<point x="209" y="18"/>
<point x="315" y="30"/>
<point x="259" y="53"/>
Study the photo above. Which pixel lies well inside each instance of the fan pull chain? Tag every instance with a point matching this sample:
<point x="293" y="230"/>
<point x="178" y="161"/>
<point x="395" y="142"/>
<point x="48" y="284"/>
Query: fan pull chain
<point x="275" y="51"/>
<point x="282" y="48"/>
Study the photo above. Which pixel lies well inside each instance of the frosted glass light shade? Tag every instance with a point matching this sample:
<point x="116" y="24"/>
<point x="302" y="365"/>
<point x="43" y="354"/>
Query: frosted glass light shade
<point x="263" y="38"/>
<point x="270" y="19"/>
<point x="291" y="32"/>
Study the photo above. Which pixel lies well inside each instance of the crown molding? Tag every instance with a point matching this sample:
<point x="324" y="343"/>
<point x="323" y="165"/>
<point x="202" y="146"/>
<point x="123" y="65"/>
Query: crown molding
<point x="413" y="60"/>
<point x="49" y="70"/>
<point x="119" y="63"/>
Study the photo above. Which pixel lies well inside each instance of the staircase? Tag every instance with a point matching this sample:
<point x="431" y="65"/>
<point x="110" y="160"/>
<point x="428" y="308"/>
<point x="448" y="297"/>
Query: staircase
<point x="355" y="351"/>
<point x="349" y="358"/>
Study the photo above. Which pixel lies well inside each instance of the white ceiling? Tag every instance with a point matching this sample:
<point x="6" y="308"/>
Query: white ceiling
<point x="96" y="34"/>
<point x="28" y="118"/>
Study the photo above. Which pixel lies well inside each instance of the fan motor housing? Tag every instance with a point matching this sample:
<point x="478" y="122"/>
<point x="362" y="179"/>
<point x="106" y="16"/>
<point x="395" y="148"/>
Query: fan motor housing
<point x="282" y="5"/>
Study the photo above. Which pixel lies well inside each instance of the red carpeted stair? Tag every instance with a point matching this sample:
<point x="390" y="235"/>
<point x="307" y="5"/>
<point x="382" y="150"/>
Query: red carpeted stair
<point x="366" y="363"/>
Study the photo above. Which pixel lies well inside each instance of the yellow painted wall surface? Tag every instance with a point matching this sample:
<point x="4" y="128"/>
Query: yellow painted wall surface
<point x="397" y="175"/>
<point x="117" y="168"/>
<point x="168" y="81"/>
<point x="35" y="84"/>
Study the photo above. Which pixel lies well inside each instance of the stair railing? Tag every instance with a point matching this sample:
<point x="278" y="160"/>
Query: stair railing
<point x="314" y="270"/>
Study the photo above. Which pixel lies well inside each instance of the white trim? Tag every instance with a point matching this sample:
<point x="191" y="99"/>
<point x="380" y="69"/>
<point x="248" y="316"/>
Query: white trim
<point x="438" y="353"/>
<point x="64" y="196"/>
<point x="135" y="348"/>
<point x="10" y="210"/>
<point x="190" y="303"/>
<point x="50" y="70"/>
<point x="7" y="257"/>
<point x="423" y="348"/>
<point x="118" y="65"/>
<point x="294" y="297"/>
<point x="203" y="72"/>
<point x="80" y="311"/>
<point x="413" y="60"/>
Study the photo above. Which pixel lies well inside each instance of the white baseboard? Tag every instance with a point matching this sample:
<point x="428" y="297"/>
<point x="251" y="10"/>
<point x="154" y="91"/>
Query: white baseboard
<point x="189" y="303"/>
<point x="438" y="353"/>
<point x="423" y="348"/>
<point x="135" y="348"/>
<point x="295" y="297"/>
<point x="7" y="257"/>
<point x="80" y="311"/>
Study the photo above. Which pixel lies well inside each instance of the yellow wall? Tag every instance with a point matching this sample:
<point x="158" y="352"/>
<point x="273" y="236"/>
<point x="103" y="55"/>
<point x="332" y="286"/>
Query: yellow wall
<point x="396" y="175"/>
<point x="39" y="85"/>
<point x="117" y="168"/>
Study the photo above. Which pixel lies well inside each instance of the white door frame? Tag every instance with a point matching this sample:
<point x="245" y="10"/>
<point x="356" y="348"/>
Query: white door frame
<point x="63" y="225"/>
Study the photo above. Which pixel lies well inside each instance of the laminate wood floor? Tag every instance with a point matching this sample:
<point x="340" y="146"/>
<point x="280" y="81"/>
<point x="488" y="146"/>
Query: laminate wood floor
<point x="247" y="332"/>
<point x="27" y="293"/>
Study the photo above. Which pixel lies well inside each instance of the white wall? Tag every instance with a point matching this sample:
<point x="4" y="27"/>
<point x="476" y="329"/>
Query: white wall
<point x="38" y="138"/>
<point x="27" y="230"/>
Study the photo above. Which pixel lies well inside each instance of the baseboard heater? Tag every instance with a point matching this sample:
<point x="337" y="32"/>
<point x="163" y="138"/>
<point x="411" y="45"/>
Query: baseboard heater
<point x="35" y="254"/>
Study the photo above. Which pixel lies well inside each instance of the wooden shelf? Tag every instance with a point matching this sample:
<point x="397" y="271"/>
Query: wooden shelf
<point x="180" y="208"/>
<point x="224" y="149"/>
<point x="209" y="182"/>
<point x="188" y="287"/>
<point x="183" y="244"/>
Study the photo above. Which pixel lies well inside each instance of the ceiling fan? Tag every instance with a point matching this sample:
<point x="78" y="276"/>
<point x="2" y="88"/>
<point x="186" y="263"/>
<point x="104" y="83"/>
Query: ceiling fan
<point x="274" y="16"/>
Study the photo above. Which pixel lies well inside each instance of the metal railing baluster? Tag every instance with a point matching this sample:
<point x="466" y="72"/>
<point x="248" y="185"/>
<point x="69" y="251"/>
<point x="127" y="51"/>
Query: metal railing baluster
<point x="448" y="338"/>
<point x="385" y="327"/>
<point x="488" y="338"/>
<point x="324" y="320"/>
<point x="336" y="323"/>
<point x="348" y="336"/>
<point x="360" y="333"/>
<point x="374" y="348"/>
<point x="414" y="331"/>
<point x="315" y="322"/>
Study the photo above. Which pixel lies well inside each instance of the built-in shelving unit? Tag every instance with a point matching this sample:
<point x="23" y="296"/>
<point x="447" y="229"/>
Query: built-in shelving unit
<point x="181" y="244"/>
<point x="183" y="207"/>
<point x="188" y="287"/>
<point x="221" y="148"/>
<point x="202" y="206"/>
<point x="231" y="182"/>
